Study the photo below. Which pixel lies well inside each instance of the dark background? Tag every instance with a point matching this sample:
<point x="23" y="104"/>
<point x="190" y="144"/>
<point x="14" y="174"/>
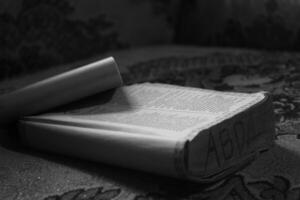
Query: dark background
<point x="38" y="34"/>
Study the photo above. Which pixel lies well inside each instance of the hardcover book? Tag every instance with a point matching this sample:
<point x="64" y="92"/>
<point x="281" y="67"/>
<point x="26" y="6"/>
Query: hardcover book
<point x="183" y="132"/>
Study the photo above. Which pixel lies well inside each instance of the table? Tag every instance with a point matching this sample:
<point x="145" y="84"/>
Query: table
<point x="29" y="174"/>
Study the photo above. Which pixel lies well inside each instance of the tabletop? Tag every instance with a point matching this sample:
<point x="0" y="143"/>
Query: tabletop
<point x="29" y="174"/>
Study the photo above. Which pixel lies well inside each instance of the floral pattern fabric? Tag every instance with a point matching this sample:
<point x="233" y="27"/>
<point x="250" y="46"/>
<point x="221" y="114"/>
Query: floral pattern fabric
<point x="273" y="175"/>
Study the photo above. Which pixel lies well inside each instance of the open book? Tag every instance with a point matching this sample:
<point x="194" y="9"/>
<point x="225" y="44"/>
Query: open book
<point x="188" y="133"/>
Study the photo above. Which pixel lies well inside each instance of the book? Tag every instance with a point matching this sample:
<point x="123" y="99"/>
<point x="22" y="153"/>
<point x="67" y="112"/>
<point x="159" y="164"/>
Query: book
<point x="30" y="96"/>
<point x="183" y="132"/>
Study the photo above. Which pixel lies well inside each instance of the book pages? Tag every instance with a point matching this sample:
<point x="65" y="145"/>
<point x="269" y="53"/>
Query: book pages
<point x="169" y="111"/>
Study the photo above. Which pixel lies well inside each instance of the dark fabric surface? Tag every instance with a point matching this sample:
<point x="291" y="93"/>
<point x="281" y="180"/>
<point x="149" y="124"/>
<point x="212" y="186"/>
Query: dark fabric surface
<point x="28" y="174"/>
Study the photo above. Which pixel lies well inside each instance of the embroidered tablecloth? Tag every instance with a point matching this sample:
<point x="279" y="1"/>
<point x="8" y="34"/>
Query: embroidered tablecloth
<point x="28" y="174"/>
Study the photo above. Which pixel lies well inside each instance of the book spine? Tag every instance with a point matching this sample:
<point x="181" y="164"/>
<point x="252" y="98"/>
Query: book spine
<point x="137" y="151"/>
<point x="226" y="147"/>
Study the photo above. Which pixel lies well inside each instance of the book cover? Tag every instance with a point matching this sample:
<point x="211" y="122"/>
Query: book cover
<point x="36" y="94"/>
